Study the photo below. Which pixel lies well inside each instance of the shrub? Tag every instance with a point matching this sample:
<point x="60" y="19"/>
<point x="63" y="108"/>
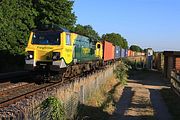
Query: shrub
<point x="121" y="72"/>
<point x="55" y="109"/>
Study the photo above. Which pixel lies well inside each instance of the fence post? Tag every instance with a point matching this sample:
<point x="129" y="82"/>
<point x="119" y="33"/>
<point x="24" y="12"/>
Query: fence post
<point x="82" y="94"/>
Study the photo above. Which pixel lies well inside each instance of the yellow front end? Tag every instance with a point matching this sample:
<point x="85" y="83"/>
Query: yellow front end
<point x="99" y="50"/>
<point x="48" y="56"/>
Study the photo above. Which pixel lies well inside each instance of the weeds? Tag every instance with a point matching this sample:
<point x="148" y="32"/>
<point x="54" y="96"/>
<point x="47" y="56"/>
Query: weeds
<point x="101" y="105"/>
<point x="55" y="109"/>
<point x="121" y="72"/>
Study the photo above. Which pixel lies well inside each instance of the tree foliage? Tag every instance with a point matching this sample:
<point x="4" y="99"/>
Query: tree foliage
<point x="136" y="48"/>
<point x="116" y="39"/>
<point x="86" y="30"/>
<point x="55" y="12"/>
<point x="125" y="43"/>
<point x="18" y="17"/>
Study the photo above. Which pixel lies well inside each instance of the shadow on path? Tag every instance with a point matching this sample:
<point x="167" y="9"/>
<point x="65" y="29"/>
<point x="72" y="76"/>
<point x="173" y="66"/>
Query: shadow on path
<point x="110" y="96"/>
<point x="149" y="82"/>
<point x="159" y="105"/>
<point x="123" y="103"/>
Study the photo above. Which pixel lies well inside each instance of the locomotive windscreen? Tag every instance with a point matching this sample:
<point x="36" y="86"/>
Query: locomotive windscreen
<point x="46" y="38"/>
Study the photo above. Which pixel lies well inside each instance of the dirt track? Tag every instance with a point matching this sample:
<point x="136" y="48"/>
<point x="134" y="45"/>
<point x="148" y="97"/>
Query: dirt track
<point x="141" y="98"/>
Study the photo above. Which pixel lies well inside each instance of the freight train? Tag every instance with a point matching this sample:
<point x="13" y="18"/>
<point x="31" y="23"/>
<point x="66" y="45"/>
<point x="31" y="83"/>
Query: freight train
<point x="135" y="54"/>
<point x="55" y="49"/>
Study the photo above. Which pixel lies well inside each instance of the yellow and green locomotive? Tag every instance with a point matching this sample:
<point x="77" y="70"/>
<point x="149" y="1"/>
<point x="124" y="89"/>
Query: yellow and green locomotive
<point x="55" y="48"/>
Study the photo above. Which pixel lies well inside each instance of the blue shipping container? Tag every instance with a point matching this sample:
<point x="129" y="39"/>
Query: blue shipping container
<point x="117" y="52"/>
<point x="126" y="52"/>
<point x="122" y="52"/>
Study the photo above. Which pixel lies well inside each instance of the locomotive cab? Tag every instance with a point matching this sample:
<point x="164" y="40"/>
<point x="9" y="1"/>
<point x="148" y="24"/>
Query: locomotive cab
<point x="49" y="49"/>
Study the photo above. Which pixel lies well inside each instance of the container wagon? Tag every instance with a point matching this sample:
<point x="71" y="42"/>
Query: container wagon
<point x="117" y="52"/>
<point x="108" y="51"/>
<point x="122" y="52"/>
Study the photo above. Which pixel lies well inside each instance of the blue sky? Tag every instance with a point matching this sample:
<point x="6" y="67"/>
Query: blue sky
<point x="147" y="23"/>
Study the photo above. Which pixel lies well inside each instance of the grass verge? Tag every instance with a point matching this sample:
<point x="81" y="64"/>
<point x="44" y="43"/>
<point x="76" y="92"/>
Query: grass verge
<point x="101" y="105"/>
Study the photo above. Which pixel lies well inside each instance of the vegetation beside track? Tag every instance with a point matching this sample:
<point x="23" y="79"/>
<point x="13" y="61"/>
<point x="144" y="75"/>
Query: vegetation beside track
<point x="55" y="109"/>
<point x="102" y="103"/>
<point x="121" y="72"/>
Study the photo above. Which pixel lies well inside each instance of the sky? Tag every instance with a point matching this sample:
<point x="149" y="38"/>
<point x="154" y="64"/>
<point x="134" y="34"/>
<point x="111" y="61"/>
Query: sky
<point x="147" y="23"/>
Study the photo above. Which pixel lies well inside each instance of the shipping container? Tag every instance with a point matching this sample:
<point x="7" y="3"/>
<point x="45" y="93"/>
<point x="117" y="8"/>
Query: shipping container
<point x="138" y="53"/>
<point x="132" y="53"/>
<point x="129" y="53"/>
<point x="108" y="51"/>
<point x="126" y="52"/>
<point x="143" y="54"/>
<point x="122" y="52"/>
<point x="135" y="53"/>
<point x="117" y="52"/>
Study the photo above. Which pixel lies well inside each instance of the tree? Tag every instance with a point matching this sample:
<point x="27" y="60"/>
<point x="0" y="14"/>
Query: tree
<point x="116" y="39"/>
<point x="86" y="30"/>
<point x="19" y="17"/>
<point x="55" y="12"/>
<point x="125" y="44"/>
<point x="16" y="18"/>
<point x="136" y="48"/>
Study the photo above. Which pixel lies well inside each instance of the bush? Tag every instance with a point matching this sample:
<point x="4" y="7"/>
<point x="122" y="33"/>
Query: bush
<point x="128" y="62"/>
<point x="55" y="109"/>
<point x="133" y="64"/>
<point x="121" y="72"/>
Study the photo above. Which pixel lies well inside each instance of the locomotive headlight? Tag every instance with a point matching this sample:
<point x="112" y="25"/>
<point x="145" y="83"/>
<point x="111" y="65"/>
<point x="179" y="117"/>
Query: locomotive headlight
<point x="56" y="56"/>
<point x="30" y="55"/>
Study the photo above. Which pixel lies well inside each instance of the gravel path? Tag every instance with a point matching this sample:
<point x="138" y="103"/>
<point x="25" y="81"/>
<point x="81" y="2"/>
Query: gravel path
<point x="141" y="98"/>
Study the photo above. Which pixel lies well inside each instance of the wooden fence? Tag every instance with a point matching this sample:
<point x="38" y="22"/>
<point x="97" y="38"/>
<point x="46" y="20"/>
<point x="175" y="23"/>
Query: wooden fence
<point x="175" y="81"/>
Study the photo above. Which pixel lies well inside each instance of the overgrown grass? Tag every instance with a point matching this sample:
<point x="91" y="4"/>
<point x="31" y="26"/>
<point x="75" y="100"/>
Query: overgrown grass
<point x="173" y="102"/>
<point x="102" y="103"/>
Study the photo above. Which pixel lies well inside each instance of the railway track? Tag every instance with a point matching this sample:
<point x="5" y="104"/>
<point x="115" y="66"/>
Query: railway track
<point x="10" y="93"/>
<point x="9" y="85"/>
<point x="13" y="85"/>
